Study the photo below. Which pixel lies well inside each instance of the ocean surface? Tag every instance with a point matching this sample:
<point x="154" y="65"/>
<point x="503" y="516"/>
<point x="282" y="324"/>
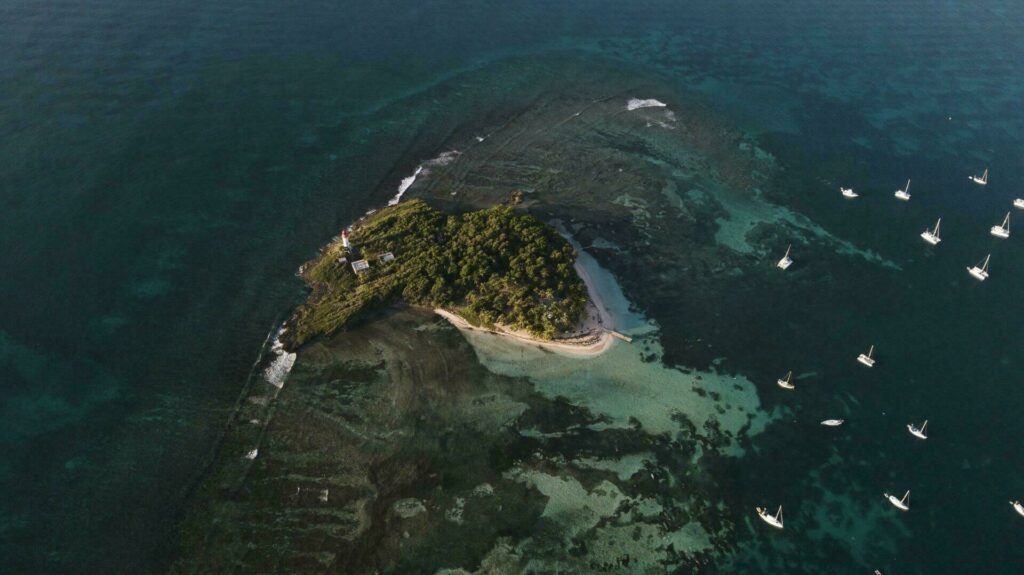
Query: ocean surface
<point x="166" y="167"/>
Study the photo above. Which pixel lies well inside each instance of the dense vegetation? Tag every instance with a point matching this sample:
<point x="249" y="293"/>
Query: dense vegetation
<point x="492" y="266"/>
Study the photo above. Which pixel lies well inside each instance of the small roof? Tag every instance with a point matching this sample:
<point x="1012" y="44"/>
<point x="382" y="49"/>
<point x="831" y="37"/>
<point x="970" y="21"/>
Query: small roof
<point x="387" y="257"/>
<point x="360" y="266"/>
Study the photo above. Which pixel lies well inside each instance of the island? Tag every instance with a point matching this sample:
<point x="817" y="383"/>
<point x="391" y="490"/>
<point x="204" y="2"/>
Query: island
<point x="496" y="269"/>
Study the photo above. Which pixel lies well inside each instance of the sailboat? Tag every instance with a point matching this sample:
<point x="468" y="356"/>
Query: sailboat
<point x="1019" y="203"/>
<point x="981" y="274"/>
<point x="1002" y="231"/>
<point x="849" y="193"/>
<point x="786" y="261"/>
<point x="1018" y="507"/>
<point x="252" y="454"/>
<point x="918" y="432"/>
<point x="901" y="504"/>
<point x="773" y="520"/>
<point x="867" y="358"/>
<point x="980" y="180"/>
<point x="833" y="422"/>
<point x="932" y="236"/>
<point x="903" y="194"/>
<point x="786" y="383"/>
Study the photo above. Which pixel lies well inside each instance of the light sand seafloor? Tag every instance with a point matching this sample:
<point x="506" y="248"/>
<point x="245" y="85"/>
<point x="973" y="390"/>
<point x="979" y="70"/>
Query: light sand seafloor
<point x="405" y="445"/>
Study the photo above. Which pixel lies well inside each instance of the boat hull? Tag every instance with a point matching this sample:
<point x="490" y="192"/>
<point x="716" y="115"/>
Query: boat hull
<point x="785" y="384"/>
<point x="895" y="501"/>
<point x="833" y="422"/>
<point x="999" y="232"/>
<point x="784" y="263"/>
<point x="978" y="273"/>
<point x="901" y="195"/>
<point x="865" y="360"/>
<point x="1019" y="203"/>
<point x="916" y="432"/>
<point x="930" y="238"/>
<point x="1018" y="507"/>
<point x="769" y="519"/>
<point x="978" y="181"/>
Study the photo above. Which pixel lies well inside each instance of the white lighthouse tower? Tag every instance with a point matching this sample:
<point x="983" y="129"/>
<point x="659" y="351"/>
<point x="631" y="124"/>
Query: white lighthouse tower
<point x="344" y="240"/>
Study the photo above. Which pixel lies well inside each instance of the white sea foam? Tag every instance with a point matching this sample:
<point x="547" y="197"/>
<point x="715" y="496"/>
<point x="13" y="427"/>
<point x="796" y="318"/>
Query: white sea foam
<point x="444" y="159"/>
<point x="277" y="372"/>
<point x="405" y="185"/>
<point x="637" y="103"/>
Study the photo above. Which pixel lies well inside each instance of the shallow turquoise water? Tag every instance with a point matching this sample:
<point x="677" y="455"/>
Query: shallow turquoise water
<point x="165" y="168"/>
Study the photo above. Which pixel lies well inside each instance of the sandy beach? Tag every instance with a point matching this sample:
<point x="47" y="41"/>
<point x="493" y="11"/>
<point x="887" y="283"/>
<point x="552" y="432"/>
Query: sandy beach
<point x="591" y="337"/>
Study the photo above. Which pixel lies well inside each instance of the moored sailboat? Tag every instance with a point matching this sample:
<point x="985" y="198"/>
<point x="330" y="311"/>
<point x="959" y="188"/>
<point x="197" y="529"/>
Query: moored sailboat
<point x="980" y="180"/>
<point x="787" y="382"/>
<point x="773" y="520"/>
<point x="980" y="273"/>
<point x="849" y="193"/>
<point x="1019" y="203"/>
<point x="786" y="261"/>
<point x="868" y="358"/>
<point x="1018" y="507"/>
<point x="932" y="236"/>
<point x="833" y="422"/>
<point x="901" y="504"/>
<point x="903" y="194"/>
<point x="1002" y="230"/>
<point x="918" y="432"/>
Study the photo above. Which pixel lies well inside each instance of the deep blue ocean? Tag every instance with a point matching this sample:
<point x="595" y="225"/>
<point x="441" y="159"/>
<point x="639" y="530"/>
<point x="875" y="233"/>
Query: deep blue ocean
<point x="166" y="167"/>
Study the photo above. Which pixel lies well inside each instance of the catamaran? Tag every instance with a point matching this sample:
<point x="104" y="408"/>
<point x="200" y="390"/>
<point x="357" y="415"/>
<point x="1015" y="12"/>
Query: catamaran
<point x="787" y="382"/>
<point x="901" y="504"/>
<point x="918" y="432"/>
<point x="903" y="194"/>
<point x="849" y="193"/>
<point x="1003" y="230"/>
<point x="980" y="273"/>
<point x="932" y="236"/>
<point x="786" y="261"/>
<point x="867" y="358"/>
<point x="980" y="180"/>
<point x="833" y="422"/>
<point x="773" y="520"/>
<point x="1018" y="507"/>
<point x="1019" y="203"/>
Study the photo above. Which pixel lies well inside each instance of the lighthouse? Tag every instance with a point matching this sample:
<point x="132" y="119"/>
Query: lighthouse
<point x="344" y="240"/>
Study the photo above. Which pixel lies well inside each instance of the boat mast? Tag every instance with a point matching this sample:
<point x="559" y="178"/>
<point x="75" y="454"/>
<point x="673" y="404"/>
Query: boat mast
<point x="906" y="496"/>
<point x="924" y="425"/>
<point x="907" y="189"/>
<point x="937" y="223"/>
<point x="984" y="266"/>
<point x="871" y="352"/>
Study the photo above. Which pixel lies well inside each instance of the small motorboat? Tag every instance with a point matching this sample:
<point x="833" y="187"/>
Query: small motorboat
<point x="901" y="504"/>
<point x="786" y="261"/>
<point x="903" y="194"/>
<point x="980" y="273"/>
<point x="833" y="422"/>
<point x="868" y="358"/>
<point x="1018" y="507"/>
<point x="918" y="432"/>
<point x="849" y="193"/>
<point x="252" y="454"/>
<point x="1003" y="230"/>
<point x="1019" y="203"/>
<point x="786" y="382"/>
<point x="980" y="180"/>
<point x="773" y="520"/>
<point x="932" y="236"/>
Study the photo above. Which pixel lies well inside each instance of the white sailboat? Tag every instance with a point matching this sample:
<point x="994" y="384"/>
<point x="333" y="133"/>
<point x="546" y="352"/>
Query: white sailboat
<point x="903" y="194"/>
<point x="773" y="520"/>
<point x="980" y="180"/>
<point x="867" y="358"/>
<point x="901" y="504"/>
<point x="1003" y="230"/>
<point x="918" y="432"/>
<point x="787" y="382"/>
<point x="833" y="422"/>
<point x="980" y="273"/>
<point x="252" y="454"/>
<point x="1019" y="203"/>
<point x="932" y="236"/>
<point x="786" y="261"/>
<point x="849" y="193"/>
<point x="1018" y="507"/>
